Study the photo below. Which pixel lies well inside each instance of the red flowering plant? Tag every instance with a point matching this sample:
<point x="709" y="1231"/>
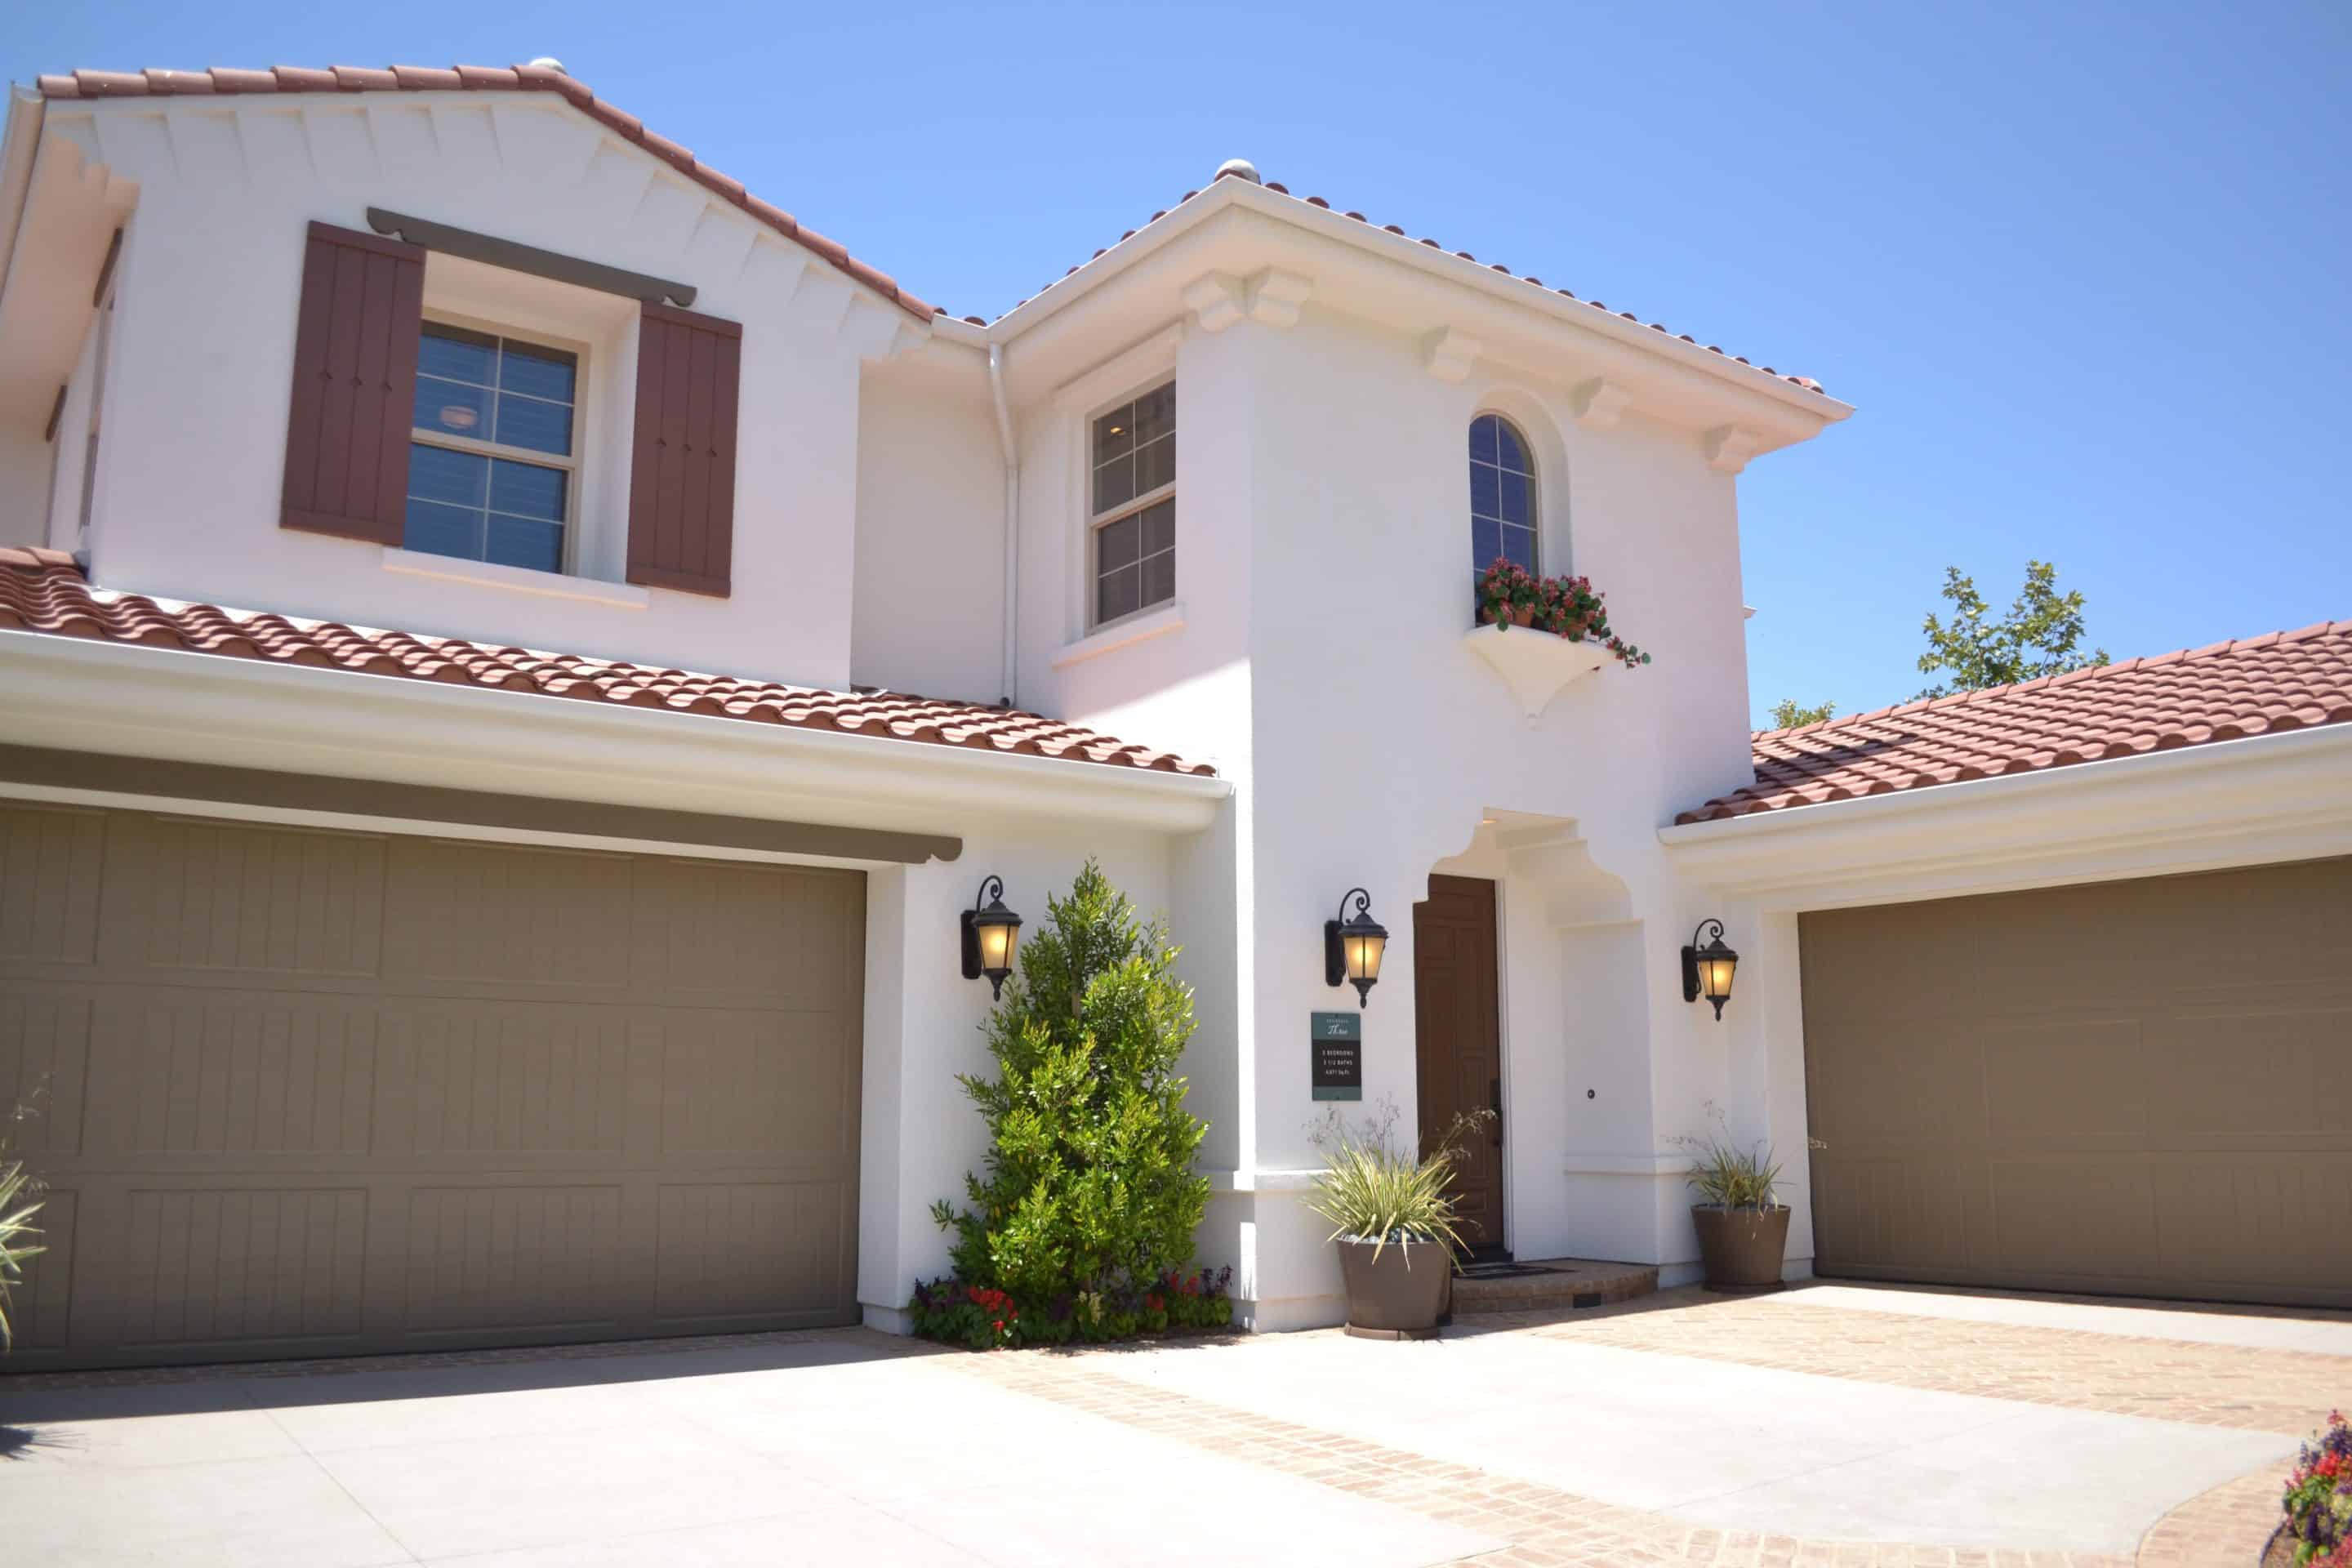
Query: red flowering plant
<point x="1511" y="595"/>
<point x="2318" y="1499"/>
<point x="974" y="1316"/>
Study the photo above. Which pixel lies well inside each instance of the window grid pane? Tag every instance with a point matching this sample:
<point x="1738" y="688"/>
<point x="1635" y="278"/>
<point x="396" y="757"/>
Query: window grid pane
<point x="495" y="389"/>
<point x="480" y="508"/>
<point x="1502" y="496"/>
<point x="1132" y="452"/>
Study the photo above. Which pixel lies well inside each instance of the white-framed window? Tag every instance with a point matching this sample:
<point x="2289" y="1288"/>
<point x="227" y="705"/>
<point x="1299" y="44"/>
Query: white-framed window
<point x="494" y="452"/>
<point x="1501" y="495"/>
<point x="1131" y="506"/>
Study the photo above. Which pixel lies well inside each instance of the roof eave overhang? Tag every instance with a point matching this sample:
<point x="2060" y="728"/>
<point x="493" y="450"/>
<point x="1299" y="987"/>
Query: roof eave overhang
<point x="1238" y="227"/>
<point x="2263" y="798"/>
<point x="123" y="700"/>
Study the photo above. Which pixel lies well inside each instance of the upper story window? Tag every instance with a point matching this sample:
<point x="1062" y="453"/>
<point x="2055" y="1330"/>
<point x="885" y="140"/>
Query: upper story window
<point x="1501" y="495"/>
<point x="494" y="457"/>
<point x="1132" y="509"/>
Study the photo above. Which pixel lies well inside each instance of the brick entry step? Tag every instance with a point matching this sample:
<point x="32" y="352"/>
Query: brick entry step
<point x="1548" y="1283"/>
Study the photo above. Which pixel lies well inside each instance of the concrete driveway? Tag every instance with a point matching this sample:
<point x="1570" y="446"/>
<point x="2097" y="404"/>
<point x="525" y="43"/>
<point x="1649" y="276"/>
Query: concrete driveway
<point x="1833" y="1424"/>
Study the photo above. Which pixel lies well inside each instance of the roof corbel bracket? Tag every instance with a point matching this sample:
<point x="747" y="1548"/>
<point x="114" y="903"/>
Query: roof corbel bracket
<point x="1600" y="403"/>
<point x="1274" y="297"/>
<point x="1217" y="299"/>
<point x="1448" y="352"/>
<point x="1728" y="447"/>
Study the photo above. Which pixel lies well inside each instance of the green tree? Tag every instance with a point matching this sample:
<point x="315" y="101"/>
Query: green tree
<point x="1788" y="714"/>
<point x="1089" y="1184"/>
<point x="2039" y="635"/>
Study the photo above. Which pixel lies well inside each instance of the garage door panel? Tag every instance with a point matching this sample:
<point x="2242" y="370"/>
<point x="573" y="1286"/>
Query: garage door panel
<point x="708" y="1276"/>
<point x="188" y="1071"/>
<point x="1916" y="1214"/>
<point x="179" y="1265"/>
<point x="50" y="880"/>
<point x="468" y="1077"/>
<point x="2078" y="1078"/>
<point x="747" y="936"/>
<point x="2153" y="1062"/>
<point x="185" y="895"/>
<point x="734" y="1081"/>
<point x="2082" y="1214"/>
<point x="45" y="1033"/>
<point x="2252" y="1219"/>
<point x="2232" y="1071"/>
<point x="493" y="916"/>
<point x="1915" y="1085"/>
<point x="316" y="1093"/>
<point x="512" y="1257"/>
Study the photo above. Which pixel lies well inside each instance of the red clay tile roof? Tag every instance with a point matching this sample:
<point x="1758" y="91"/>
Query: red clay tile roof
<point x="2255" y="686"/>
<point x="43" y="591"/>
<point x="1808" y="382"/>
<point x="481" y="79"/>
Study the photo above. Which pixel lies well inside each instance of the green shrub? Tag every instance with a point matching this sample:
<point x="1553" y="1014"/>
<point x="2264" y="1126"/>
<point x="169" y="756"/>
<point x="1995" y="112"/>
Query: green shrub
<point x="16" y="1227"/>
<point x="1089" y="1200"/>
<point x="1374" y="1189"/>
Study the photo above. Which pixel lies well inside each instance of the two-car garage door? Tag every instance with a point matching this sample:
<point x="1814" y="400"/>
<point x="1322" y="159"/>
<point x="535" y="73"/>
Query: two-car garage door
<point x="2142" y="1087"/>
<point x="309" y="1092"/>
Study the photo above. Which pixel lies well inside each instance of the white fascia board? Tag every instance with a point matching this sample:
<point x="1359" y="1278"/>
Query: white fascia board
<point x="125" y="700"/>
<point x="1325" y="224"/>
<point x="2259" y="800"/>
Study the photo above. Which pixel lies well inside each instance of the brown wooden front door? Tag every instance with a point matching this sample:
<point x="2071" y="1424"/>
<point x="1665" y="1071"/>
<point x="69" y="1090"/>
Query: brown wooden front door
<point x="1457" y="1047"/>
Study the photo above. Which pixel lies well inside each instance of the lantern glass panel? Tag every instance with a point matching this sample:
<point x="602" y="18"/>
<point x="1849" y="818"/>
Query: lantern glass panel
<point x="1363" y="956"/>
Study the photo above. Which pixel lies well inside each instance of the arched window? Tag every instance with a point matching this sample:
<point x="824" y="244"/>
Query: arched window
<point x="1502" y="494"/>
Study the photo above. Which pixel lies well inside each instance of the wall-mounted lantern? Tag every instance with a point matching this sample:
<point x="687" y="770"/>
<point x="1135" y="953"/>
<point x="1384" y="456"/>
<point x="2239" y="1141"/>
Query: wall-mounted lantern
<point x="1352" y="947"/>
<point x="1707" y="970"/>
<point x="991" y="932"/>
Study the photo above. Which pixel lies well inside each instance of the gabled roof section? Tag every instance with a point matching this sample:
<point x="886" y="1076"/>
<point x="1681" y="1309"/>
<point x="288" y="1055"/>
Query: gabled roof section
<point x="93" y="84"/>
<point x="2255" y="686"/>
<point x="43" y="591"/>
<point x="1806" y="382"/>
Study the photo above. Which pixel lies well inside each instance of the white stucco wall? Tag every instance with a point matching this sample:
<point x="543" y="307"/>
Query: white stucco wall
<point x="191" y="469"/>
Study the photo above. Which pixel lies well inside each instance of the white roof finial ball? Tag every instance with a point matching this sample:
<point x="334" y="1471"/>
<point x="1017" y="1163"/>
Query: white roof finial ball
<point x="1241" y="166"/>
<point x="549" y="62"/>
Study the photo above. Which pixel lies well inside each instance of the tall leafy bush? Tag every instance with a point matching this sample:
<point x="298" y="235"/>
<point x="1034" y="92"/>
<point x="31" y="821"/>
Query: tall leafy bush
<point x="1089" y="1190"/>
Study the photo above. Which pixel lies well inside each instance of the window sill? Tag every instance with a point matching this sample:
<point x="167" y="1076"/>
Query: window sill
<point x="1139" y="627"/>
<point x="515" y="579"/>
<point x="1536" y="665"/>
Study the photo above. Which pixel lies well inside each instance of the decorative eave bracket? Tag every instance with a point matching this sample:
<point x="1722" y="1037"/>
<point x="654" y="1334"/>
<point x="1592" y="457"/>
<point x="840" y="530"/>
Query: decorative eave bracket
<point x="1448" y="352"/>
<point x="1218" y="299"/>
<point x="1599" y="403"/>
<point x="1728" y="447"/>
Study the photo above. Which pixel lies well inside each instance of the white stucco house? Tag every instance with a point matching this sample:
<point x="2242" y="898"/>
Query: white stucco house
<point x="474" y="866"/>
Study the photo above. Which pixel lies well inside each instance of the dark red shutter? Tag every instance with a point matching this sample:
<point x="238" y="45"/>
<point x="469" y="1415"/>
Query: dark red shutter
<point x="682" y="464"/>
<point x="355" y="385"/>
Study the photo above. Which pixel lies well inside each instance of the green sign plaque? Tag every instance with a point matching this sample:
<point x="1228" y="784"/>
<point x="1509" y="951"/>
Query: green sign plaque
<point x="1335" y="1051"/>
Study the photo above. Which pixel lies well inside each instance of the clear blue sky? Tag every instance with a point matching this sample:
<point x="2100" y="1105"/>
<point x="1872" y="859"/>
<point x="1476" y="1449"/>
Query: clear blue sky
<point x="2082" y="269"/>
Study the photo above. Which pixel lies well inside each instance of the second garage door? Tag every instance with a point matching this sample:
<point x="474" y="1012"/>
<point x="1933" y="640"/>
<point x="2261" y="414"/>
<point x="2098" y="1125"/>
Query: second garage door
<point x="2142" y="1087"/>
<point x="312" y="1092"/>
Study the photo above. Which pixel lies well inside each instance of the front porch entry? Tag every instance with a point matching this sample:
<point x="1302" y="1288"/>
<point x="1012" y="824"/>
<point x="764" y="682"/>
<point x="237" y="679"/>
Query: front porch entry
<point x="1458" y="1044"/>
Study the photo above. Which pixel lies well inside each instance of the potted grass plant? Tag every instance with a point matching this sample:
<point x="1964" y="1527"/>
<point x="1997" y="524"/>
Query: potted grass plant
<point x="1743" y="1227"/>
<point x="1395" y="1221"/>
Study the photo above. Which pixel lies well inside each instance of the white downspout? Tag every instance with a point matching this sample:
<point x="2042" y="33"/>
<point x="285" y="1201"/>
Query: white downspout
<point x="1012" y="678"/>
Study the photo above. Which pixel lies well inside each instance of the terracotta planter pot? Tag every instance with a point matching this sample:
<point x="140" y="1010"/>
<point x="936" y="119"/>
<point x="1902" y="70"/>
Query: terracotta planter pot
<point x="1399" y="1295"/>
<point x="1518" y="615"/>
<point x="1742" y="1248"/>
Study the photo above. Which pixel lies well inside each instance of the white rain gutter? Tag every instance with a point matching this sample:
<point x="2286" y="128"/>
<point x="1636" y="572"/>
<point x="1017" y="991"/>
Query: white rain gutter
<point x="1010" y="686"/>
<point x="77" y="694"/>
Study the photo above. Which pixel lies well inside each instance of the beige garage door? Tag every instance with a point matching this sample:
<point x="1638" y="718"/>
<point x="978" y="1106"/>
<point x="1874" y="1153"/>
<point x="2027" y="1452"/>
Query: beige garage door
<point x="315" y="1092"/>
<point x="2138" y="1087"/>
